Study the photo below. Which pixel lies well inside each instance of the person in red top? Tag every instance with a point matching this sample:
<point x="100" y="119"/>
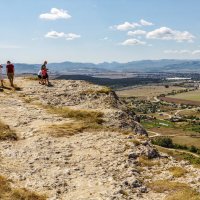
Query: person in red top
<point x="10" y="72"/>
<point x="44" y="75"/>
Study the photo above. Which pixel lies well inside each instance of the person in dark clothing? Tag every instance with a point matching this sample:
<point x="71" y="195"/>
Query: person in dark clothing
<point x="45" y="75"/>
<point x="10" y="72"/>
<point x="1" y="75"/>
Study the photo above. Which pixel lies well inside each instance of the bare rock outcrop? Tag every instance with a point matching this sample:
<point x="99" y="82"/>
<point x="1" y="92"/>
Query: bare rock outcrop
<point x="83" y="95"/>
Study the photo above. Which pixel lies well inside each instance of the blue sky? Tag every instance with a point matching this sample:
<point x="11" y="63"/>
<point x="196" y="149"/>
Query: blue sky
<point x="98" y="30"/>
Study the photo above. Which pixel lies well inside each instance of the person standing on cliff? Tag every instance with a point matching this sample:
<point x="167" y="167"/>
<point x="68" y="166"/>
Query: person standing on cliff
<point x="44" y="70"/>
<point x="1" y="75"/>
<point x="10" y="72"/>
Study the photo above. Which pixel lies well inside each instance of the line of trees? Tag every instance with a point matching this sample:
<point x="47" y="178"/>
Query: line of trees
<point x="168" y="143"/>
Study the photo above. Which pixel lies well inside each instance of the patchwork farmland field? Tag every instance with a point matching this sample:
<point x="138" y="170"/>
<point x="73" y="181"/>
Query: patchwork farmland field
<point x="181" y="133"/>
<point x="147" y="91"/>
<point x="180" y="101"/>
<point x="191" y="96"/>
<point x="180" y="123"/>
<point x="189" y="112"/>
<point x="187" y="140"/>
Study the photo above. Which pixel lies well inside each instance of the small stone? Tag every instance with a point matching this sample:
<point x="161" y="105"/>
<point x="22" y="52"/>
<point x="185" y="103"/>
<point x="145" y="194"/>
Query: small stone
<point x="132" y="156"/>
<point x="143" y="189"/>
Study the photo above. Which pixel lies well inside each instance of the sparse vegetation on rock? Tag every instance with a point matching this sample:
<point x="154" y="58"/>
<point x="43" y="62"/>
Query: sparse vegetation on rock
<point x="103" y="90"/>
<point x="176" y="190"/>
<point x="146" y="162"/>
<point x="7" y="192"/>
<point x="161" y="186"/>
<point x="178" y="171"/>
<point x="6" y="133"/>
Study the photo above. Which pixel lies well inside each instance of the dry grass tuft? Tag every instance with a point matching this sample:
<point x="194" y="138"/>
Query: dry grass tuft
<point x="142" y="137"/>
<point x="83" y="115"/>
<point x="124" y="132"/>
<point x="27" y="100"/>
<point x="135" y="142"/>
<point x="177" y="171"/>
<point x="9" y="193"/>
<point x="177" y="190"/>
<point x="145" y="162"/>
<point x="186" y="194"/>
<point x="69" y="129"/>
<point x="6" y="133"/>
<point x="161" y="186"/>
<point x="85" y="121"/>
<point x="124" y="192"/>
<point x="103" y="90"/>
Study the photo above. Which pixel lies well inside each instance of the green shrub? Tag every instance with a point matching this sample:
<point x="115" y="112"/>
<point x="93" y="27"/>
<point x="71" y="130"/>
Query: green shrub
<point x="163" y="142"/>
<point x="193" y="149"/>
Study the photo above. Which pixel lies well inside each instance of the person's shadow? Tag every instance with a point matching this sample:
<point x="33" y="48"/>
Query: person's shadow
<point x="17" y="88"/>
<point x="10" y="88"/>
<point x="50" y="84"/>
<point x="6" y="88"/>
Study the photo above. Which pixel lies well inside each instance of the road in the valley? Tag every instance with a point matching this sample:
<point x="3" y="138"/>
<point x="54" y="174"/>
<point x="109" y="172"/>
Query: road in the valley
<point x="156" y="134"/>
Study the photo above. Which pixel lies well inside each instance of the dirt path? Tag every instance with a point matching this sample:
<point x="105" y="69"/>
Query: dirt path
<point x="178" y="111"/>
<point x="26" y="119"/>
<point x="156" y="134"/>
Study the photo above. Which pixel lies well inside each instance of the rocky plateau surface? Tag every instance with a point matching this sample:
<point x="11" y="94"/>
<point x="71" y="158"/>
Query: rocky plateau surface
<point x="99" y="165"/>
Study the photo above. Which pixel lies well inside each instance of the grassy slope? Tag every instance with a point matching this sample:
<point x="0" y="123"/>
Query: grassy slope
<point x="193" y="96"/>
<point x="150" y="91"/>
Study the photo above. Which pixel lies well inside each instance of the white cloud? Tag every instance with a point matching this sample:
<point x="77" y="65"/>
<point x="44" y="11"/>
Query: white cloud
<point x="72" y="36"/>
<point x="125" y="26"/>
<point x="132" y="42"/>
<point x="105" y="38"/>
<point x="55" y="14"/>
<point x="196" y="52"/>
<point x="145" y="23"/>
<point x="128" y="25"/>
<point x="182" y="52"/>
<point x="165" y="33"/>
<point x="55" y="34"/>
<point x="137" y="32"/>
<point x="67" y="36"/>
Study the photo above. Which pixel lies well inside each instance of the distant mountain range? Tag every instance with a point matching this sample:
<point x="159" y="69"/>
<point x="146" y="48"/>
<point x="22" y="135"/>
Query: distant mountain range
<point x="165" y="65"/>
